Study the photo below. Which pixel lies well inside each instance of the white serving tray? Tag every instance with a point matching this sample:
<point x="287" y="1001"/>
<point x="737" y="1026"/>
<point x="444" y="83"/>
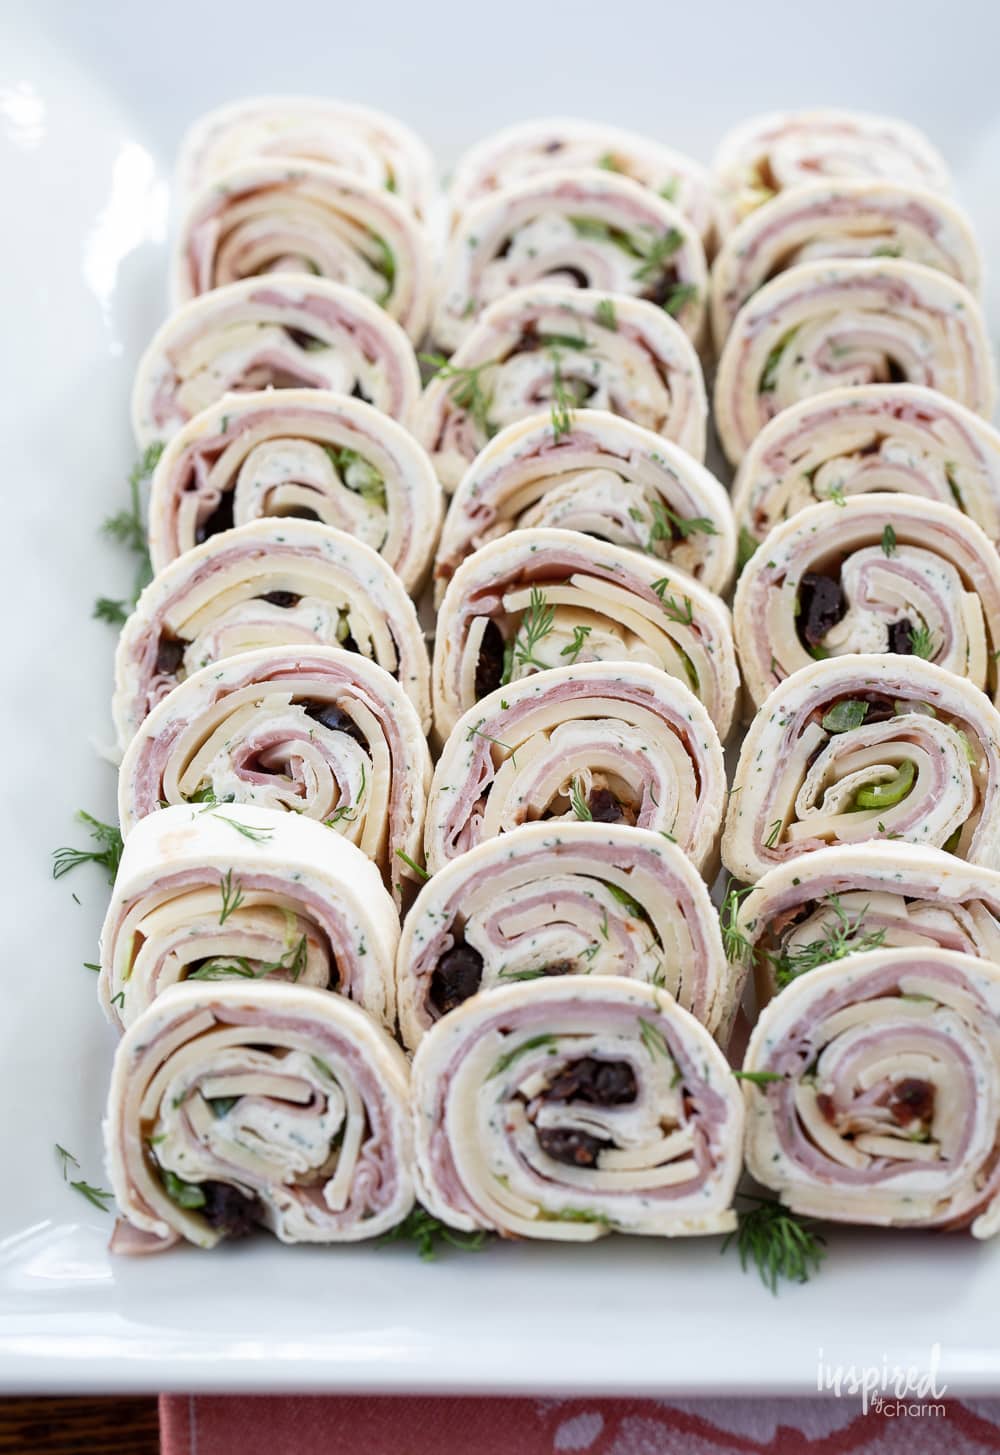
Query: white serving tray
<point x="92" y="102"/>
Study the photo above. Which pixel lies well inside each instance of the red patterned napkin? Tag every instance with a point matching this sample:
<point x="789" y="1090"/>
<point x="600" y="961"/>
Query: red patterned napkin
<point x="366" y="1425"/>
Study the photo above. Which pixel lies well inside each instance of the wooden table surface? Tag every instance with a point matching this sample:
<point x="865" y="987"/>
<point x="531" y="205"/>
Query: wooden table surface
<point x="79" y="1427"/>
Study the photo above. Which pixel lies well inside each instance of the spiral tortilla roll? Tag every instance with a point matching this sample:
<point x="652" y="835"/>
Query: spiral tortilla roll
<point x="889" y="573"/>
<point x="577" y="899"/>
<point x="888" y="1099"/>
<point x="232" y="1105"/>
<point x="532" y="148"/>
<point x="866" y="748"/>
<point x="270" y="583"/>
<point x="316" y="732"/>
<point x="587" y="228"/>
<point x="562" y="347"/>
<point x="543" y="598"/>
<point x="604" y="476"/>
<point x="600" y="742"/>
<point x="374" y="147"/>
<point x="297" y="452"/>
<point x="566" y="1109"/>
<point x="285" y="216"/>
<point x="858" y="897"/>
<point x="848" y="218"/>
<point x="278" y="332"/>
<point x="872" y="437"/>
<point x="788" y="149"/>
<point x="231" y="892"/>
<point x="865" y="321"/>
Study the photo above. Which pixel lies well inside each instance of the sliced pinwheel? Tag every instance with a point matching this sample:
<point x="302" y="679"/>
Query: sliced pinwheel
<point x="369" y="144"/>
<point x="890" y="573"/>
<point x="550" y="899"/>
<point x="531" y="148"/>
<point x="233" y="1106"/>
<point x="787" y="149"/>
<point x="562" y="349"/>
<point x="604" y="476"/>
<point x="317" y="732"/>
<point x="305" y="453"/>
<point x="279" y="332"/>
<point x="270" y="583"/>
<point x="873" y="1091"/>
<point x="570" y="1108"/>
<point x="599" y="743"/>
<point x="226" y="892"/>
<point x="860" y="749"/>
<point x="851" y="322"/>
<point x="851" y="441"/>
<point x="542" y="598"/>
<point x="588" y="229"/>
<point x="261" y="217"/>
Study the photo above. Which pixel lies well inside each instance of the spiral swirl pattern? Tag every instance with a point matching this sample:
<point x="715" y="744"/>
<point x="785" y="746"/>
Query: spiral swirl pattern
<point x="279" y="332"/>
<point x="274" y="1105"/>
<point x="270" y="583"/>
<point x="598" y="742"/>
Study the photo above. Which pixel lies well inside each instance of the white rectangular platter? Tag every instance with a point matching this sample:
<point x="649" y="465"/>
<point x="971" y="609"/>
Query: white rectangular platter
<point x="93" y="99"/>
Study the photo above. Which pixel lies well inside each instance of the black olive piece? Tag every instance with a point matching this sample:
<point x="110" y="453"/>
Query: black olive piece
<point x="595" y="1082"/>
<point x="912" y="1100"/>
<point x="282" y="598"/>
<point x="901" y="637"/>
<point x="577" y="274"/>
<point x="821" y="606"/>
<point x="575" y="1148"/>
<point x="358" y="393"/>
<point x="221" y="518"/>
<point x="228" y="1210"/>
<point x="169" y="653"/>
<point x="604" y="806"/>
<point x="330" y="715"/>
<point x="489" y="667"/>
<point x="662" y="289"/>
<point x="457" y="976"/>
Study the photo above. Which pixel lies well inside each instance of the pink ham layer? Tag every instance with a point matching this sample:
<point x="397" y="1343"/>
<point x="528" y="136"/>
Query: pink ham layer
<point x="707" y="1110"/>
<point x="377" y="1174"/>
<point x="193" y="466"/>
<point x="796" y="1051"/>
<point x="546" y="862"/>
<point x="166" y="411"/>
<point x="458" y="833"/>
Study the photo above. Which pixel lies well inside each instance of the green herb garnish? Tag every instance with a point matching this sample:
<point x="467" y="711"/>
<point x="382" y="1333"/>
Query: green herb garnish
<point x="777" y="1241"/>
<point x="108" y="853"/>
<point x="421" y="1228"/>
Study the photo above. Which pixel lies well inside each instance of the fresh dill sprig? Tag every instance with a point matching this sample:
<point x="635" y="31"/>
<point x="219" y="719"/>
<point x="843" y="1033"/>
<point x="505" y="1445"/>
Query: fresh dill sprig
<point x="412" y="864"/>
<point x="421" y="1228"/>
<point x="667" y="522"/>
<point x="115" y="613"/>
<point x="257" y="836"/>
<point x="232" y="897"/>
<point x="108" y="852"/>
<point x="573" y="649"/>
<point x="737" y="945"/>
<point x="774" y="834"/>
<point x="758" y="1078"/>
<point x="888" y="541"/>
<point x="653" y="1039"/>
<point x="97" y="1196"/>
<point x="128" y="528"/>
<point x="605" y="315"/>
<point x="536" y="624"/>
<point x="580" y="805"/>
<point x="922" y="642"/>
<point x="655" y="253"/>
<point x="680" y="295"/>
<point x="841" y="936"/>
<point x="777" y="1241"/>
<point x="348" y="812"/>
<point x="562" y="403"/>
<point x="466" y="388"/>
<point x="228" y="967"/>
<point x="682" y="614"/>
